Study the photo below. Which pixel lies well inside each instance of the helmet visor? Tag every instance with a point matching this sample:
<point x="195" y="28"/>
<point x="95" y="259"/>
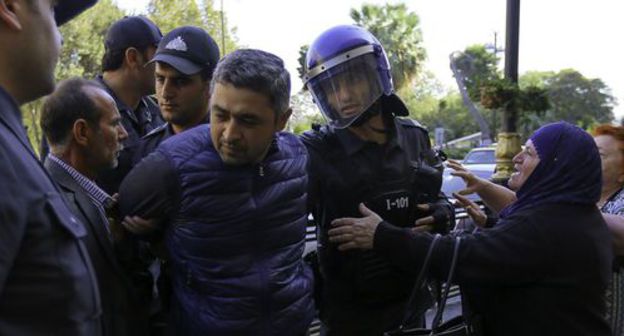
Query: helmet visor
<point x="347" y="90"/>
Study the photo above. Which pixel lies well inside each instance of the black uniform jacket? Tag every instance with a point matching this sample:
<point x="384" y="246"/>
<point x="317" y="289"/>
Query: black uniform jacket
<point x="47" y="283"/>
<point x="151" y="140"/>
<point x="359" y="286"/>
<point x="540" y="271"/>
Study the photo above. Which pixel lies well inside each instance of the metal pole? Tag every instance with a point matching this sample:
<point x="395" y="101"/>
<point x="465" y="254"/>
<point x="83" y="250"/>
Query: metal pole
<point x="508" y="140"/>
<point x="511" y="58"/>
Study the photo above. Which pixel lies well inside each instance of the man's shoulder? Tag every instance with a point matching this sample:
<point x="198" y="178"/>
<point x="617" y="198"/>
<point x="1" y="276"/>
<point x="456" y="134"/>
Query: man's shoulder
<point x="318" y="137"/>
<point x="151" y="141"/>
<point x="291" y="142"/>
<point x="188" y="141"/>
<point x="154" y="109"/>
<point x="289" y="138"/>
<point x="27" y="185"/>
<point x="61" y="176"/>
<point x="410" y="124"/>
<point x="151" y="101"/>
<point x="16" y="159"/>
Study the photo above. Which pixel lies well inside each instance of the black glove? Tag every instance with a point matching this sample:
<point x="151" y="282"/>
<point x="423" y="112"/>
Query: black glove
<point x="443" y="216"/>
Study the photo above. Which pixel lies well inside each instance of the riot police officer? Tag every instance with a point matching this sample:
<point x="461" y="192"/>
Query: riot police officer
<point x="365" y="154"/>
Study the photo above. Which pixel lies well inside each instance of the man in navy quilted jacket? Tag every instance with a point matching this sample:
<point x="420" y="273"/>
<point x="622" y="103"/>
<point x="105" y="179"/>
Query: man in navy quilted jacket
<point x="231" y="200"/>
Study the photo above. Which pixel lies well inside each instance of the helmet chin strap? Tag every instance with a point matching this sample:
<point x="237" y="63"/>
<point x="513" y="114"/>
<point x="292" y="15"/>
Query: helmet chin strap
<point x="372" y="111"/>
<point x="375" y="129"/>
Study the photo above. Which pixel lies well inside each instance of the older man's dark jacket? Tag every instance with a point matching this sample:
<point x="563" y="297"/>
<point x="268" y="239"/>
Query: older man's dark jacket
<point x="123" y="313"/>
<point x="47" y="283"/>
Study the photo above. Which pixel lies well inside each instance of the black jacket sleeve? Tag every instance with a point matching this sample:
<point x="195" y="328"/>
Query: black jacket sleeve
<point x="150" y="190"/>
<point x="510" y="253"/>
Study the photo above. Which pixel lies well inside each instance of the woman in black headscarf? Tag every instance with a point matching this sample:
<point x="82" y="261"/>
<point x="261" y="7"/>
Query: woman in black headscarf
<point x="543" y="267"/>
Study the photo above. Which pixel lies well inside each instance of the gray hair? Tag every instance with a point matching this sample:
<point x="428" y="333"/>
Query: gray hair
<point x="258" y="71"/>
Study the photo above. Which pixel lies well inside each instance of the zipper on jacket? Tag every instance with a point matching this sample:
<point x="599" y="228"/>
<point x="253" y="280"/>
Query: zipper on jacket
<point x="261" y="170"/>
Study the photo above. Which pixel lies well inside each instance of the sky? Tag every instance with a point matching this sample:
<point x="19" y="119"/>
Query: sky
<point x="554" y="34"/>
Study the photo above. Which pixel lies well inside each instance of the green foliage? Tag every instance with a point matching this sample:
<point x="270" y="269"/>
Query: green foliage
<point x="535" y="78"/>
<point x="533" y="98"/>
<point x="304" y="114"/>
<point x="572" y="97"/>
<point x="30" y="113"/>
<point x="478" y="66"/>
<point x="219" y="30"/>
<point x="450" y="113"/>
<point x="81" y="55"/>
<point x="497" y="93"/>
<point x="83" y="41"/>
<point x="170" y="14"/>
<point x="540" y="97"/>
<point x="421" y="97"/>
<point x="301" y="60"/>
<point x="306" y="124"/>
<point x="399" y="32"/>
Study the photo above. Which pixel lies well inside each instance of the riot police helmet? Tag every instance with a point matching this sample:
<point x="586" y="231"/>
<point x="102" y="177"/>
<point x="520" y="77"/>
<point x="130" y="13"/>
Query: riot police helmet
<point x="347" y="71"/>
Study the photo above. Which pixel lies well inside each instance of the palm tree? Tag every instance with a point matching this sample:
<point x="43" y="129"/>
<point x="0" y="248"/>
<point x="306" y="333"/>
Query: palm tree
<point x="399" y="32"/>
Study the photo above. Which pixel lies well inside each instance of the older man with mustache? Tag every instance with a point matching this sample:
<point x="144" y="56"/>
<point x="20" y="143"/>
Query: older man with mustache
<point x="83" y="127"/>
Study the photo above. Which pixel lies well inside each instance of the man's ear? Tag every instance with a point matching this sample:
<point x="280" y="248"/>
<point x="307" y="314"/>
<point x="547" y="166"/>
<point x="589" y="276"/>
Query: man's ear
<point x="283" y="119"/>
<point x="81" y="132"/>
<point x="8" y="13"/>
<point x="132" y="57"/>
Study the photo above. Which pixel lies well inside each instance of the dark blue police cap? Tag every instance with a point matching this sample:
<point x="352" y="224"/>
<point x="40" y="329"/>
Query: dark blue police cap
<point x="66" y="10"/>
<point x="132" y="31"/>
<point x="188" y="49"/>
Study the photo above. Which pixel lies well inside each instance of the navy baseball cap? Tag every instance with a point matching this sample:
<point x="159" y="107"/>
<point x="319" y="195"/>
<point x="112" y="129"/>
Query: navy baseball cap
<point x="188" y="49"/>
<point x="66" y="10"/>
<point x="132" y="31"/>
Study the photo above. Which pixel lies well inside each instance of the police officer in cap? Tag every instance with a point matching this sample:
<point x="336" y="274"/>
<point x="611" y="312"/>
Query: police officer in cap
<point x="185" y="60"/>
<point x="366" y="157"/>
<point x="47" y="283"/>
<point x="128" y="76"/>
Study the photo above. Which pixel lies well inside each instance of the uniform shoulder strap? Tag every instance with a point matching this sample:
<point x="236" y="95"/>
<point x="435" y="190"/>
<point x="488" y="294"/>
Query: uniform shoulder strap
<point x="156" y="130"/>
<point x="410" y="123"/>
<point x="319" y="138"/>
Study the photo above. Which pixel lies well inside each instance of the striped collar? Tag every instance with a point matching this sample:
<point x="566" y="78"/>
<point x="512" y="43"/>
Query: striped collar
<point x="93" y="191"/>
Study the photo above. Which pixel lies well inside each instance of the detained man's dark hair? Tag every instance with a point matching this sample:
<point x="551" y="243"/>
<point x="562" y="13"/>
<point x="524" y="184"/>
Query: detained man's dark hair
<point x="68" y="103"/>
<point x="258" y="71"/>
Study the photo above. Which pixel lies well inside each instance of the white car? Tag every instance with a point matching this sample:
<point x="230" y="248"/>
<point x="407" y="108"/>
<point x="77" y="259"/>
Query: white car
<point x="480" y="161"/>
